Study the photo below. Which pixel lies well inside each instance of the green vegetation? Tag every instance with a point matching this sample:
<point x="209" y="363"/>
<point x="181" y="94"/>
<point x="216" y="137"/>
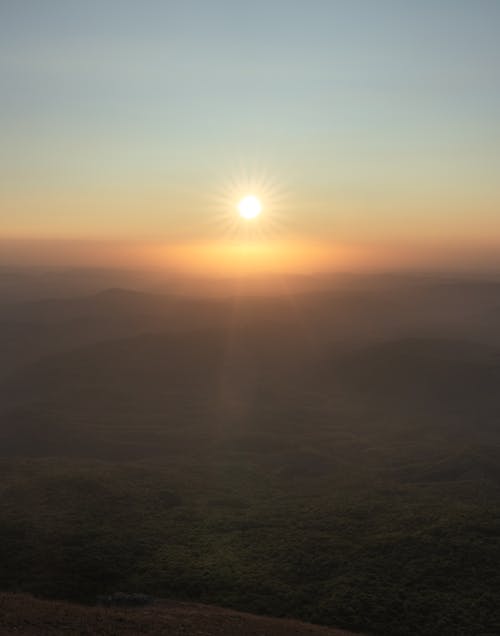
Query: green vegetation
<point x="349" y="550"/>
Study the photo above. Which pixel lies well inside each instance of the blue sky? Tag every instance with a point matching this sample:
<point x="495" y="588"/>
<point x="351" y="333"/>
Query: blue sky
<point x="359" y="108"/>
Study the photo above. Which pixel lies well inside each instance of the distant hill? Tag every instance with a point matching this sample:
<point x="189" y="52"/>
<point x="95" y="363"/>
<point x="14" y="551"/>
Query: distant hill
<point x="147" y="394"/>
<point x="362" y="312"/>
<point x="136" y="392"/>
<point x="441" y="377"/>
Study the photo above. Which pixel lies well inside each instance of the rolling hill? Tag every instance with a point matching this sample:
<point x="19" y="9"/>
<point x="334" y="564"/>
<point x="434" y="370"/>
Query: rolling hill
<point x="329" y="456"/>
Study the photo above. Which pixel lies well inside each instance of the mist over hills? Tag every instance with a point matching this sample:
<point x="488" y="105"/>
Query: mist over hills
<point x="327" y="453"/>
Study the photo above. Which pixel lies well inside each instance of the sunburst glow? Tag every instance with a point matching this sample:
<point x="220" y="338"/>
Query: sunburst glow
<point x="250" y="207"/>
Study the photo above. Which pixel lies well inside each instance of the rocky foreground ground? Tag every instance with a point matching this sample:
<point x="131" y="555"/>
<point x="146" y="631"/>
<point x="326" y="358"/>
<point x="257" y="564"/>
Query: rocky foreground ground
<point x="25" y="615"/>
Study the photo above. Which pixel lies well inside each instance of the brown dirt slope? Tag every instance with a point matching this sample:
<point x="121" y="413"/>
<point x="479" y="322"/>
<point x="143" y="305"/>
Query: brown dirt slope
<point x="25" y="615"/>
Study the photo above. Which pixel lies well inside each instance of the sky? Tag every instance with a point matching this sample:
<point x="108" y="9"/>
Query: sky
<point x="364" y="128"/>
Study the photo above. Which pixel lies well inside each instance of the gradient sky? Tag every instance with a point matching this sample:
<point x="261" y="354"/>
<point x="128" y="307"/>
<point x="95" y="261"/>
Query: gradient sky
<point x="376" y="122"/>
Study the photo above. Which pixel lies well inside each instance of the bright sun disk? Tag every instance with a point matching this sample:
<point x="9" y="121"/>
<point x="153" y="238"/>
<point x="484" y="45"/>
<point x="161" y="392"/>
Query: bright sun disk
<point x="249" y="207"/>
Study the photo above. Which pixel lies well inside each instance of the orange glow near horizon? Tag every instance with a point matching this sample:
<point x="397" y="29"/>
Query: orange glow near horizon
<point x="250" y="257"/>
<point x="199" y="258"/>
<point x="228" y="258"/>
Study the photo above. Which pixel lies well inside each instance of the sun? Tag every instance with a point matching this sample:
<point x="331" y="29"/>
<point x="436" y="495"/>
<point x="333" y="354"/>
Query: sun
<point x="249" y="207"/>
